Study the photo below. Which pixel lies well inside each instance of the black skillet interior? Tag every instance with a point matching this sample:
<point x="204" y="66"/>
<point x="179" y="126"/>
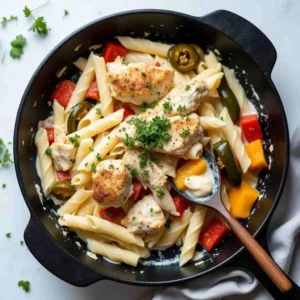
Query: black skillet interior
<point x="44" y="237"/>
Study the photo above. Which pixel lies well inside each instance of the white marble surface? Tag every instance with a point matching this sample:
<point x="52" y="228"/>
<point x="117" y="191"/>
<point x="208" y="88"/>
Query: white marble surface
<point x="278" y="19"/>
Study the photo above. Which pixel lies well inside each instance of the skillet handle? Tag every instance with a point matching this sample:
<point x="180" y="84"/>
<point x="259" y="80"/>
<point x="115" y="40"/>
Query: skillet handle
<point x="248" y="36"/>
<point x="248" y="263"/>
<point x="54" y="258"/>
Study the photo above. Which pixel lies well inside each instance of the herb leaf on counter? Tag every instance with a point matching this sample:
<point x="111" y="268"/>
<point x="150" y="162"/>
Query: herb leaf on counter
<point x="5" y="156"/>
<point x="25" y="285"/>
<point x="39" y="26"/>
<point x="8" y="235"/>
<point x="66" y="13"/>
<point x="6" y="20"/>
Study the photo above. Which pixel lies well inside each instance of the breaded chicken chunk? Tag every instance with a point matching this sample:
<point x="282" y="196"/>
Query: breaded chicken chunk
<point x="144" y="217"/>
<point x="112" y="184"/>
<point x="139" y="83"/>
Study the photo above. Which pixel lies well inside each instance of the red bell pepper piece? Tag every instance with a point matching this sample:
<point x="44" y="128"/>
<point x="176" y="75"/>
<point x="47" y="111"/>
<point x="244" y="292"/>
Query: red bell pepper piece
<point x="127" y="110"/>
<point x="50" y="134"/>
<point x="93" y="91"/>
<point x="63" y="92"/>
<point x="138" y="190"/>
<point x="112" y="51"/>
<point x="157" y="64"/>
<point x="251" y="128"/>
<point x="213" y="234"/>
<point x="112" y="214"/>
<point x="181" y="204"/>
<point x="63" y="175"/>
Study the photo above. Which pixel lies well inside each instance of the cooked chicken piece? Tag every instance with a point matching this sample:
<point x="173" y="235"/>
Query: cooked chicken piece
<point x="63" y="156"/>
<point x="181" y="100"/>
<point x="139" y="83"/>
<point x="112" y="184"/>
<point x="184" y="131"/>
<point x="144" y="217"/>
<point x="150" y="176"/>
<point x="167" y="163"/>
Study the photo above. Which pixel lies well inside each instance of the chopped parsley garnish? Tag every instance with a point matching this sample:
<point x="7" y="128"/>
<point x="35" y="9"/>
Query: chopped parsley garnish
<point x="185" y="133"/>
<point x="129" y="141"/>
<point x="181" y="108"/>
<point x="168" y="224"/>
<point x="111" y="166"/>
<point x="125" y="62"/>
<point x="131" y="89"/>
<point x="8" y="235"/>
<point x="74" y="140"/>
<point x="145" y="173"/>
<point x="143" y="74"/>
<point x="148" y="85"/>
<point x="5" y="157"/>
<point x="91" y="149"/>
<point x="158" y="93"/>
<point x="133" y="172"/>
<point x="3" y="185"/>
<point x="151" y="210"/>
<point x="145" y="106"/>
<point x="17" y="46"/>
<point x="197" y="89"/>
<point x="66" y="12"/>
<point x="151" y="134"/>
<point x="21" y="243"/>
<point x="25" y="285"/>
<point x="99" y="158"/>
<point x="187" y="87"/>
<point x="222" y="118"/>
<point x="93" y="167"/>
<point x="73" y="161"/>
<point x="98" y="111"/>
<point x="6" y="20"/>
<point x="145" y="159"/>
<point x="160" y="193"/>
<point x="167" y="107"/>
<point x="133" y="218"/>
<point x="110" y="214"/>
<point x="48" y="151"/>
<point x="86" y="164"/>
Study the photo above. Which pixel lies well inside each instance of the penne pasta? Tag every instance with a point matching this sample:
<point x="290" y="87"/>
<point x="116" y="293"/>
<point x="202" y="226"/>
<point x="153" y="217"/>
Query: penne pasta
<point x="107" y="106"/>
<point x="83" y="84"/>
<point x="145" y="46"/>
<point x="192" y="235"/>
<point x="99" y="126"/>
<point x="72" y="205"/>
<point x="44" y="160"/>
<point x="235" y="141"/>
<point x="98" y="225"/>
<point x="113" y="252"/>
<point x="93" y="115"/>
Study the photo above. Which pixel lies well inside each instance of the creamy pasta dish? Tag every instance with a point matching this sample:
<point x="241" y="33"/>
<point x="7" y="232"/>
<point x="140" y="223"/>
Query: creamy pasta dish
<point x="140" y="115"/>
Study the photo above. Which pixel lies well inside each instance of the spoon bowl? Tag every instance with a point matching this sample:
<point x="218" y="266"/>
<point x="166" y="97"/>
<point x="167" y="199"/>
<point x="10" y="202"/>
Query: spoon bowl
<point x="216" y="177"/>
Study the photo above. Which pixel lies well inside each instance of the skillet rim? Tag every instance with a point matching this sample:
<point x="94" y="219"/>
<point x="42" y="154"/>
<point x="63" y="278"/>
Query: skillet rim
<point x="141" y="12"/>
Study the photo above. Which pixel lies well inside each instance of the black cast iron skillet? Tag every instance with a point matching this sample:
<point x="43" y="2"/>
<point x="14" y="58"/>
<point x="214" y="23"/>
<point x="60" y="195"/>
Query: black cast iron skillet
<point x="243" y="47"/>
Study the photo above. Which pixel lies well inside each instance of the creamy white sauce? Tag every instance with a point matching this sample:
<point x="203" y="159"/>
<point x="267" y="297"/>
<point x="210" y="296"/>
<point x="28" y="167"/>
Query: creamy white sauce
<point x="200" y="185"/>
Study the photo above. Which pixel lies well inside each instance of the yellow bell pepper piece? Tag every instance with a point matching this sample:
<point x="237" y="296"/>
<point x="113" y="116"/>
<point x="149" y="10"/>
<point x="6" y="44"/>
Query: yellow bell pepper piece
<point x="257" y="156"/>
<point x="190" y="168"/>
<point x="242" y="199"/>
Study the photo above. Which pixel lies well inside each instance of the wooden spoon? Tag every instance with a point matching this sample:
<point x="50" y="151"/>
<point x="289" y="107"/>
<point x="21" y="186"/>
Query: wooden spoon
<point x="214" y="201"/>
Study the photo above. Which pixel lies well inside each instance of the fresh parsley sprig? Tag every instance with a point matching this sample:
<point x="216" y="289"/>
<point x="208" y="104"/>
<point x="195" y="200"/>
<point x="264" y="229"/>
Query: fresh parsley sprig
<point x="9" y="19"/>
<point x="5" y="157"/>
<point x="39" y="26"/>
<point x="17" y="46"/>
<point x="25" y="285"/>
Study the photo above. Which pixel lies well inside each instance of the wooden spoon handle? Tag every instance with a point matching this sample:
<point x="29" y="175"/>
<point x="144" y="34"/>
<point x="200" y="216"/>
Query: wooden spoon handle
<point x="259" y="254"/>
